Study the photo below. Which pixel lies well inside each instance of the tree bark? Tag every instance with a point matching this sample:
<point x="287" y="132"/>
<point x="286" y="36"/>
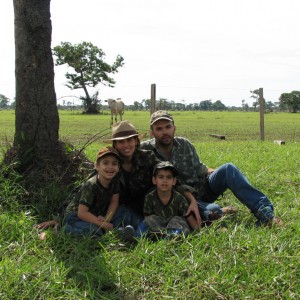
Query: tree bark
<point x="37" y="120"/>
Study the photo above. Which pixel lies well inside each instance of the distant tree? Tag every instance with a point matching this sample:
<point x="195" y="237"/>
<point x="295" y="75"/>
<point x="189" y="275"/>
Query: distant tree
<point x="218" y="105"/>
<point x="137" y="105"/>
<point x="205" y="105"/>
<point x="163" y="103"/>
<point x="254" y="104"/>
<point x="146" y="103"/>
<point x="179" y="106"/>
<point x="255" y="95"/>
<point x="89" y="66"/>
<point x="290" y="101"/>
<point x="270" y="106"/>
<point x="3" y="101"/>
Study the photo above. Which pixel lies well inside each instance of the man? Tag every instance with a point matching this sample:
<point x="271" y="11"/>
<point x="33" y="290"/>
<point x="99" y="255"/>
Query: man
<point x="203" y="184"/>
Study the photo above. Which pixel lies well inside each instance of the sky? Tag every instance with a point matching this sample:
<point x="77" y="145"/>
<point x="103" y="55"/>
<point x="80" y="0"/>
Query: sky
<point x="193" y="50"/>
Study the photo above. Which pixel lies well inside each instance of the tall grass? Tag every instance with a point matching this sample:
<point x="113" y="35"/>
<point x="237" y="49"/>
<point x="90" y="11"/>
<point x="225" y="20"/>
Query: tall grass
<point x="245" y="262"/>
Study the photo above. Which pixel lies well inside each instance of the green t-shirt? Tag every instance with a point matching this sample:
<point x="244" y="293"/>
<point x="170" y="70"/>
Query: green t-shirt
<point x="93" y="195"/>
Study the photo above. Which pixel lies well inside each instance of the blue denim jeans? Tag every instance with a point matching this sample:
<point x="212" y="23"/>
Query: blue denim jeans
<point x="228" y="176"/>
<point x="75" y="226"/>
<point x="126" y="216"/>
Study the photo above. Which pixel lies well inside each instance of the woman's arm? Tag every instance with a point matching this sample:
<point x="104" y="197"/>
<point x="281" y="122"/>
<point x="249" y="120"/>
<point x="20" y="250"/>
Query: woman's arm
<point x="193" y="222"/>
<point x="193" y="207"/>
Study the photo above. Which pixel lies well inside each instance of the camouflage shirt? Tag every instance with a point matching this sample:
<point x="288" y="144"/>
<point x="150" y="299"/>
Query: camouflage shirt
<point x="191" y="171"/>
<point x="136" y="184"/>
<point x="177" y="205"/>
<point x="93" y="195"/>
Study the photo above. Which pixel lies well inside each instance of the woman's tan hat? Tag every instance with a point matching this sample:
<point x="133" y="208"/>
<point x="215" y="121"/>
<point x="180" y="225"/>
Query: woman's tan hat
<point x="123" y="130"/>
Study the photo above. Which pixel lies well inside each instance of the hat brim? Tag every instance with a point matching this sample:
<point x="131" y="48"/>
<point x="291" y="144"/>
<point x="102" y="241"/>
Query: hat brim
<point x="140" y="136"/>
<point x="161" y="118"/>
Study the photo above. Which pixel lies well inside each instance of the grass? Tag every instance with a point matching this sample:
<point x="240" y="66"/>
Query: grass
<point x="243" y="263"/>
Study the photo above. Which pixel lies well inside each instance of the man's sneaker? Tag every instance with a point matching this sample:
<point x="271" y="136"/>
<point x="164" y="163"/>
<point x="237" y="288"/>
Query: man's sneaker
<point x="229" y="210"/>
<point x="126" y="234"/>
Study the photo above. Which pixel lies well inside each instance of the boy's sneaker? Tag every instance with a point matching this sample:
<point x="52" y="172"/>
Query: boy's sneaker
<point x="126" y="234"/>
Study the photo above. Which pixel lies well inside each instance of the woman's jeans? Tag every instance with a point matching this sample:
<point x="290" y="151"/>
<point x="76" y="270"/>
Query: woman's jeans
<point x="228" y="176"/>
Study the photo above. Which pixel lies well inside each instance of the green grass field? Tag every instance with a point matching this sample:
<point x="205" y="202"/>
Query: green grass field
<point x="243" y="263"/>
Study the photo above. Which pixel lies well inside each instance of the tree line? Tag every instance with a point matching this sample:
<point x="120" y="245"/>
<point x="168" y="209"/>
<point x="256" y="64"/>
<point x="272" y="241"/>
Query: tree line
<point x="88" y="69"/>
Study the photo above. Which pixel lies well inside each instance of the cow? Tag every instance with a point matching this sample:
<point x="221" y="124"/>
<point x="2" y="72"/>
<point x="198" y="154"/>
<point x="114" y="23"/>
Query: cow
<point x="116" y="108"/>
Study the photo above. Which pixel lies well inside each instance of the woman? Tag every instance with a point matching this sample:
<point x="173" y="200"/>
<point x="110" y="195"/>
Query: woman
<point x="135" y="173"/>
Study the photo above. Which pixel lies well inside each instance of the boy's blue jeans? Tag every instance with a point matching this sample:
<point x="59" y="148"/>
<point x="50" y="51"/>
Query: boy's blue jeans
<point x="75" y="226"/>
<point x="228" y="176"/>
<point x="124" y="216"/>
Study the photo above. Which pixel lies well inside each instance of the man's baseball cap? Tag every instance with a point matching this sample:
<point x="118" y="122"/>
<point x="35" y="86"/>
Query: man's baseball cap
<point x="165" y="165"/>
<point x="160" y="115"/>
<point x="107" y="151"/>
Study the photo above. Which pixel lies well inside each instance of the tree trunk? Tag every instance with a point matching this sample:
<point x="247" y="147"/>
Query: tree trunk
<point x="37" y="120"/>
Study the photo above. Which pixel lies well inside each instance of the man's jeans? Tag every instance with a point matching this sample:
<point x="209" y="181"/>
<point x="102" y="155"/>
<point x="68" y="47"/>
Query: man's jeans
<point x="228" y="176"/>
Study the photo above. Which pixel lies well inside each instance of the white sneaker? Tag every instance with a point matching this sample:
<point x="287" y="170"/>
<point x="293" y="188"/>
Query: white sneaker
<point x="126" y="234"/>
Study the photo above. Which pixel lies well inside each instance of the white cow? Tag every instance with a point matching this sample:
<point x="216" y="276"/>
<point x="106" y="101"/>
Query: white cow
<point x="116" y="108"/>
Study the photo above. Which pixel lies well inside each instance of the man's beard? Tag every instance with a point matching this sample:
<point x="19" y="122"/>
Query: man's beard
<point x="164" y="142"/>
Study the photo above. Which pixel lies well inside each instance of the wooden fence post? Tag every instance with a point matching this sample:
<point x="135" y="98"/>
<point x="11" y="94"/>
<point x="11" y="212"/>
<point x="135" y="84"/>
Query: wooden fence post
<point x="153" y="98"/>
<point x="262" y="114"/>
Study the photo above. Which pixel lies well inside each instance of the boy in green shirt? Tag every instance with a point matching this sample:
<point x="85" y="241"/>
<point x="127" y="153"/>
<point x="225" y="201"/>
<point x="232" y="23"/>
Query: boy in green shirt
<point x="92" y="209"/>
<point x="165" y="208"/>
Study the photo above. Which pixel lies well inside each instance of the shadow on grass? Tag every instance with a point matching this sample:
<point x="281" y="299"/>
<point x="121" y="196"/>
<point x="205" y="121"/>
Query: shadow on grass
<point x="87" y="269"/>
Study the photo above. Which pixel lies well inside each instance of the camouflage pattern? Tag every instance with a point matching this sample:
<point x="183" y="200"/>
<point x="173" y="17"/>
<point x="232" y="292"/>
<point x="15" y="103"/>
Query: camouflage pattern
<point x="191" y="171"/>
<point x="158" y="215"/>
<point x="135" y="185"/>
<point x="177" y="206"/>
<point x="93" y="195"/>
<point x="156" y="223"/>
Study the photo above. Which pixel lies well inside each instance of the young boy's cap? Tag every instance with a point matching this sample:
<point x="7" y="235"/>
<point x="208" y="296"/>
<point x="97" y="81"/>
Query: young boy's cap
<point x="160" y="115"/>
<point x="107" y="150"/>
<point x="165" y="165"/>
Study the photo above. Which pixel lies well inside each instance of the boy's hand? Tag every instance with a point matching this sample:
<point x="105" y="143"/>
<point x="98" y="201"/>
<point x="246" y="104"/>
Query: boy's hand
<point x="45" y="225"/>
<point x="101" y="218"/>
<point x="107" y="226"/>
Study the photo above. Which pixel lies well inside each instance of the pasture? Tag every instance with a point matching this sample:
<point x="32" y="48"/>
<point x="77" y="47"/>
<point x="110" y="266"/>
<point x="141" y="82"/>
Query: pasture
<point x="244" y="262"/>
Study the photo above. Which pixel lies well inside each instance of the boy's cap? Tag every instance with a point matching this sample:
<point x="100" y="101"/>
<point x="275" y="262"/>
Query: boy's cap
<point x="160" y="115"/>
<point x="107" y="150"/>
<point x="165" y="165"/>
